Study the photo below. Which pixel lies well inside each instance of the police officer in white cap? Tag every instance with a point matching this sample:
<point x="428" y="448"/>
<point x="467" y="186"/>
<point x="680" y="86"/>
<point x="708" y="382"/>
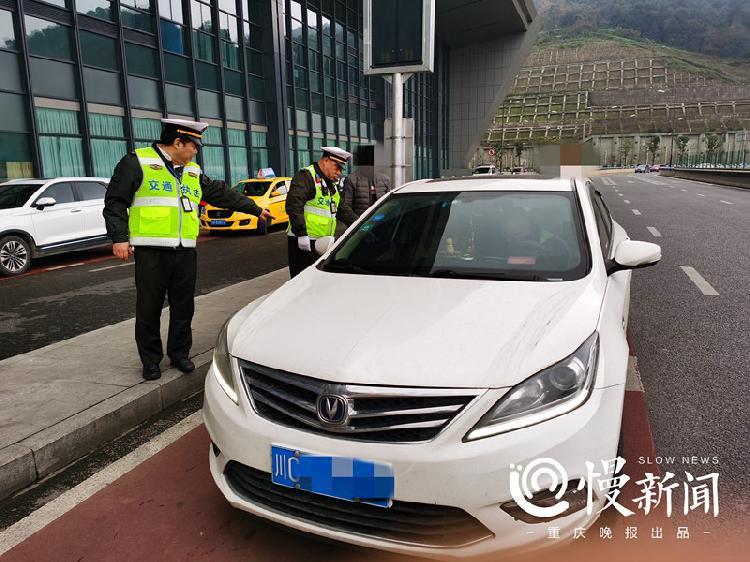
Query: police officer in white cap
<point x="314" y="204"/>
<point x="151" y="211"/>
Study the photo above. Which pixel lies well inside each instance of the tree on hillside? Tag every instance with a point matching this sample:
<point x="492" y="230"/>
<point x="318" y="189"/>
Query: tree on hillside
<point x="713" y="142"/>
<point x="653" y="148"/>
<point x="682" y="145"/>
<point x="519" y="151"/>
<point x="625" y="149"/>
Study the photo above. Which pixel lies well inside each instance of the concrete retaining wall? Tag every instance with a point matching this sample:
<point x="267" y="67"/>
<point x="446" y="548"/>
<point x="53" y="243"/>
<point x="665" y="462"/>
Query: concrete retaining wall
<point x="734" y="178"/>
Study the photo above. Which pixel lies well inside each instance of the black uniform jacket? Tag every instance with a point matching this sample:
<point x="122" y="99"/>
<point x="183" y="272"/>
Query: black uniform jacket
<point x="301" y="190"/>
<point x="127" y="178"/>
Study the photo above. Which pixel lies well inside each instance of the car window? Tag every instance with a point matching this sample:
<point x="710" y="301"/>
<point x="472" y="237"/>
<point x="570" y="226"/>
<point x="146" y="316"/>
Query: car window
<point x="253" y="188"/>
<point x="16" y="195"/>
<point x="603" y="220"/>
<point x="280" y="188"/>
<point x="90" y="190"/>
<point x="61" y="192"/>
<point x="531" y="236"/>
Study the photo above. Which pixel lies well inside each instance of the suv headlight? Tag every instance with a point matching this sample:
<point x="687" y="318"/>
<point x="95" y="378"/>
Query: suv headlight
<point x="223" y="364"/>
<point x="552" y="392"/>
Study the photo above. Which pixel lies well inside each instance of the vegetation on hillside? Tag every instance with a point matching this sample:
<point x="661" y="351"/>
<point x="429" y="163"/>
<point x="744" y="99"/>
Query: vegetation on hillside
<point x="716" y="27"/>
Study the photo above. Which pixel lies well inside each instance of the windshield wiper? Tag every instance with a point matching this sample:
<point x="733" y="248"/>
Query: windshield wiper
<point x="497" y="275"/>
<point x="343" y="267"/>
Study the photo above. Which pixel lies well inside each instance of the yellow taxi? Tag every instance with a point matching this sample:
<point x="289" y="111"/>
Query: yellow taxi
<point x="268" y="193"/>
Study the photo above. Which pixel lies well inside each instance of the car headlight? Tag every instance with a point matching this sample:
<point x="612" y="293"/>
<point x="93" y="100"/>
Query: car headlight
<point x="223" y="364"/>
<point x="552" y="392"/>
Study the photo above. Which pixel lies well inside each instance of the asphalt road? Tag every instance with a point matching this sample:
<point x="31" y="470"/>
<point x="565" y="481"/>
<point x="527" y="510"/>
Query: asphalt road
<point x="693" y="349"/>
<point x="67" y="295"/>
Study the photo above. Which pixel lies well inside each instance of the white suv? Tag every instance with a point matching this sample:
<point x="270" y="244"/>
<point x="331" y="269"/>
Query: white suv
<point x="45" y="217"/>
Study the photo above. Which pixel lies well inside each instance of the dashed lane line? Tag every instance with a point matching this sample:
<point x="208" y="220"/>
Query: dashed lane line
<point x="636" y="212"/>
<point x="725" y="202"/>
<point x="112" y="267"/>
<point x="621" y="195"/>
<point x="626" y="201"/>
<point x="62" y="266"/>
<point x="700" y="195"/>
<point x="703" y="285"/>
<point x="653" y="231"/>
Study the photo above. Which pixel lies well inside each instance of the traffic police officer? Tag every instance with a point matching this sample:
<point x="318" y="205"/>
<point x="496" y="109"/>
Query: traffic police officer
<point x="314" y="204"/>
<point x="151" y="211"/>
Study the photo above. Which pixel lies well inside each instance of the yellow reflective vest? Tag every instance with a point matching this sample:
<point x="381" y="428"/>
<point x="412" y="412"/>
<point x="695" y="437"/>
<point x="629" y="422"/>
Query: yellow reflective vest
<point x="158" y="217"/>
<point x="320" y="211"/>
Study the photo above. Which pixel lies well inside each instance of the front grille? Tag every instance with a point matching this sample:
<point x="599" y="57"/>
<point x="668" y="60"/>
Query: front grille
<point x="220" y="214"/>
<point x="420" y="524"/>
<point x="375" y="413"/>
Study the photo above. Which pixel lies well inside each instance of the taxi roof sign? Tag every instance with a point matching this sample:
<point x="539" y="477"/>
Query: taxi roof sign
<point x="266" y="173"/>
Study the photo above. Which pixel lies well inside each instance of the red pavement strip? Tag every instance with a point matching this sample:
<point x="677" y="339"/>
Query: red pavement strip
<point x="168" y="508"/>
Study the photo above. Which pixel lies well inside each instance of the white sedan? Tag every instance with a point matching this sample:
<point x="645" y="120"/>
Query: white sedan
<point x="461" y="330"/>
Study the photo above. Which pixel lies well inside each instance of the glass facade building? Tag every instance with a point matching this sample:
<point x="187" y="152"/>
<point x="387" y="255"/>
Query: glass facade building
<point x="85" y="81"/>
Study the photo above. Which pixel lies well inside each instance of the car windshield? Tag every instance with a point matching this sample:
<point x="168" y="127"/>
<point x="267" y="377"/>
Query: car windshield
<point x="16" y="195"/>
<point x="482" y="170"/>
<point x="529" y="236"/>
<point x="253" y="188"/>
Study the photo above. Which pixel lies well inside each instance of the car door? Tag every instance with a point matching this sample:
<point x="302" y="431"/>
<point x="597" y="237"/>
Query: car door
<point x="63" y="221"/>
<point x="277" y="201"/>
<point x="617" y="294"/>
<point x="91" y="198"/>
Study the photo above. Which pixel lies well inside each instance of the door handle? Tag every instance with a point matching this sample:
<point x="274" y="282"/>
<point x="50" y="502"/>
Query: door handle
<point x="75" y="210"/>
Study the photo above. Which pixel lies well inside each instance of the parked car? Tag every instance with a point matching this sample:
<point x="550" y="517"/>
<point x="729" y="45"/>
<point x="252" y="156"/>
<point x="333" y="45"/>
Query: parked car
<point x="655" y="168"/>
<point x="267" y="193"/>
<point x="518" y="170"/>
<point x="642" y="169"/>
<point x="484" y="170"/>
<point x="45" y="217"/>
<point x="492" y="332"/>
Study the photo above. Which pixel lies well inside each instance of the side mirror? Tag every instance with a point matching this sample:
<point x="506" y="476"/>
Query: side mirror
<point x="322" y="245"/>
<point x="43" y="202"/>
<point x="632" y="254"/>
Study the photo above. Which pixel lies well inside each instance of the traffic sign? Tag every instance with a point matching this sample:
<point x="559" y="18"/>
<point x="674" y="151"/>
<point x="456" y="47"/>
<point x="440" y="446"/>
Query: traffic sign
<point x="491" y="151"/>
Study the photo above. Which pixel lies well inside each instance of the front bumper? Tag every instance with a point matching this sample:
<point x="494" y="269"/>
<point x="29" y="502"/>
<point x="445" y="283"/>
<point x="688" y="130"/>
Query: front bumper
<point x="237" y="221"/>
<point x="473" y="476"/>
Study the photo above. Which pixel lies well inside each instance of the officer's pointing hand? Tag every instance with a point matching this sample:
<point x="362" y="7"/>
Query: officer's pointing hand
<point x="303" y="243"/>
<point x="266" y="214"/>
<point x="122" y="250"/>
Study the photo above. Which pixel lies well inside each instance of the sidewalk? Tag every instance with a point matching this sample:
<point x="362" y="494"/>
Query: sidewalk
<point x="64" y="400"/>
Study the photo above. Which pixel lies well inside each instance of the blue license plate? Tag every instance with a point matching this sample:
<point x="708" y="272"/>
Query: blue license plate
<point x="344" y="478"/>
<point x="218" y="223"/>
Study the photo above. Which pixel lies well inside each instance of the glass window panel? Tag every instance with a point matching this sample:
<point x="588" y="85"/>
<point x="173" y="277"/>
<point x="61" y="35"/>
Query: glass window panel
<point x="236" y="137"/>
<point x="146" y="129"/>
<point x="101" y="125"/>
<point x="203" y="45"/>
<point x="208" y="104"/>
<point x="60" y="121"/>
<point x="105" y="155"/>
<point x="61" y="156"/>
<point x="15" y="156"/>
<point x="172" y="37"/>
<point x="256" y="39"/>
<point x="260" y="158"/>
<point x="13" y="110"/>
<point x="140" y="4"/>
<point x="61" y="192"/>
<point x="230" y="55"/>
<point x="228" y="28"/>
<point x="238" y="164"/>
<point x="302" y="124"/>
<point x="7" y="31"/>
<point x="201" y="16"/>
<point x="213" y="162"/>
<point x="233" y="82"/>
<point x="171" y="9"/>
<point x="233" y="107"/>
<point x="257" y="87"/>
<point x="207" y="75"/>
<point x="98" y="50"/>
<point x="135" y="19"/>
<point x="102" y="86"/>
<point x="141" y="60"/>
<point x="254" y="8"/>
<point x="144" y="93"/>
<point x="90" y="190"/>
<point x="48" y="39"/>
<point x="177" y="69"/>
<point x="259" y="139"/>
<point x="258" y="112"/>
<point x="179" y="99"/>
<point x="10" y="70"/>
<point x="254" y="62"/>
<point x="296" y="8"/>
<point x="96" y="8"/>
<point x="212" y="135"/>
<point x="228" y="6"/>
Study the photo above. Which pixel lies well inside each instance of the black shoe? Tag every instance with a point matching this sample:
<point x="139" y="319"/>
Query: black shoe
<point x="184" y="364"/>
<point x="151" y="372"/>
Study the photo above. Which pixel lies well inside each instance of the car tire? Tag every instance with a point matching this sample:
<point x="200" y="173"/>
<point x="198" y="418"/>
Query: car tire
<point x="15" y="255"/>
<point x="263" y="226"/>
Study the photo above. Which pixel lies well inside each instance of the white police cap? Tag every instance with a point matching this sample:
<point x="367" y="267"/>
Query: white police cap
<point x="336" y="154"/>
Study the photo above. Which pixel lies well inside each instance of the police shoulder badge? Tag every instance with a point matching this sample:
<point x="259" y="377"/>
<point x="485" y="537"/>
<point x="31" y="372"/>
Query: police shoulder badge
<point x="156" y="166"/>
<point x="193" y="174"/>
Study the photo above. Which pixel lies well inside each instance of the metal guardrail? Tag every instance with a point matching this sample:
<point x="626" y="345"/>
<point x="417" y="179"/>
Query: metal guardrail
<point x="721" y="176"/>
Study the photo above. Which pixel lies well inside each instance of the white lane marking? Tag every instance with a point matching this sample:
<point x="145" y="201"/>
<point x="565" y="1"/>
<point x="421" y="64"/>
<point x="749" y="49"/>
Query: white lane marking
<point x="62" y="266"/>
<point x="636" y="212"/>
<point x="112" y="266"/>
<point x="631" y="181"/>
<point x="685" y="190"/>
<point x="46" y="514"/>
<point x="704" y="286"/>
<point x="621" y="195"/>
<point x="725" y="202"/>
<point x="700" y="195"/>
<point x="626" y="201"/>
<point x="653" y="231"/>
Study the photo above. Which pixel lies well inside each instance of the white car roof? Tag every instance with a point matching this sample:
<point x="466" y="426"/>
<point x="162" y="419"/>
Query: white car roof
<point x="40" y="182"/>
<point x="489" y="183"/>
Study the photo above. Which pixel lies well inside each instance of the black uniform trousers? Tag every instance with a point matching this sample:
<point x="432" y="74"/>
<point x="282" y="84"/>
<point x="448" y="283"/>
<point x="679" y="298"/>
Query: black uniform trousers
<point x="160" y="272"/>
<point x="299" y="259"/>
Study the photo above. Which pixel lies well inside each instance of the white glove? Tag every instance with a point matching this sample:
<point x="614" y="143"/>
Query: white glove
<point x="303" y="243"/>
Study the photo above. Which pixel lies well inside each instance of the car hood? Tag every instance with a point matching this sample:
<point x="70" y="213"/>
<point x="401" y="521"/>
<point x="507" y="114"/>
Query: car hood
<point x="410" y="331"/>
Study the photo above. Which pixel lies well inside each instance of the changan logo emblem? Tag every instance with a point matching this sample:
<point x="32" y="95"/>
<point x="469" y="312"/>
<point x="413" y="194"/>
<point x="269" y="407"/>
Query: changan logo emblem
<point x="332" y="409"/>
